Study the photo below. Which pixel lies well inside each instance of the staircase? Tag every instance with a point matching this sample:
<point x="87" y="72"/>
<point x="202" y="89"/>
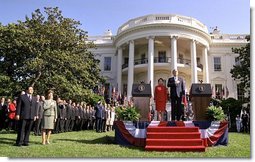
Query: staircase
<point x="176" y="138"/>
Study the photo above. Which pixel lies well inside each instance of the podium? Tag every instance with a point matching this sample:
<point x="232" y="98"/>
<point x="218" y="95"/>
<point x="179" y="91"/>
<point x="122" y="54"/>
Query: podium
<point x="141" y="94"/>
<point x="200" y="95"/>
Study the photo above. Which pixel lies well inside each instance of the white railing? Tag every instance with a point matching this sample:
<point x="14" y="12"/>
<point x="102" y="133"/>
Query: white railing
<point x="228" y="36"/>
<point x="100" y="39"/>
<point x="163" y="18"/>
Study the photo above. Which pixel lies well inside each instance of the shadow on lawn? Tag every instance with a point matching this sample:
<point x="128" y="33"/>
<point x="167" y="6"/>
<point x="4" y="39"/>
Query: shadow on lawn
<point x="102" y="140"/>
<point x="8" y="141"/>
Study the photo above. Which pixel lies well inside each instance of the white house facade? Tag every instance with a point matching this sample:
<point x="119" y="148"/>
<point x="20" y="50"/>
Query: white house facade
<point x="150" y="47"/>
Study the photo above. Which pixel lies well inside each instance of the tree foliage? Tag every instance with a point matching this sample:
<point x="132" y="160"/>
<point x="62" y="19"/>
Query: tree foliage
<point x="47" y="51"/>
<point x="232" y="108"/>
<point x="241" y="71"/>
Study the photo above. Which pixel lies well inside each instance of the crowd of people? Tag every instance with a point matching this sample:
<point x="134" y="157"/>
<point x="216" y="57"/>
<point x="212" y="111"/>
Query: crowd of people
<point x="44" y="116"/>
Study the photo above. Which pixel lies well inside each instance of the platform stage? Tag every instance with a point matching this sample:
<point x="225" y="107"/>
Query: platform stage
<point x="171" y="135"/>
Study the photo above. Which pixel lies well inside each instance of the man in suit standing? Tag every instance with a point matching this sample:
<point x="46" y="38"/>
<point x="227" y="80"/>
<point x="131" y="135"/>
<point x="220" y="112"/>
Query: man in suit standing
<point x="26" y="114"/>
<point x="68" y="116"/>
<point x="38" y="122"/>
<point x="99" y="116"/>
<point x="177" y="89"/>
<point x="3" y="114"/>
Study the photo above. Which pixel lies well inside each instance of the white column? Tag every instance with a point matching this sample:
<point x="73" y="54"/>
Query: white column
<point x="119" y="70"/>
<point x="130" y="69"/>
<point x="205" y="67"/>
<point x="173" y="52"/>
<point x="193" y="61"/>
<point x="150" y="74"/>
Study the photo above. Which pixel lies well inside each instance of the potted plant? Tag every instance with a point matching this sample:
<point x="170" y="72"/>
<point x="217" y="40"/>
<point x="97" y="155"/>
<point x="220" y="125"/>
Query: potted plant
<point x="215" y="113"/>
<point x="129" y="113"/>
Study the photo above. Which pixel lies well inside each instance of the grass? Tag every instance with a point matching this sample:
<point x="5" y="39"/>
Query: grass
<point x="89" y="144"/>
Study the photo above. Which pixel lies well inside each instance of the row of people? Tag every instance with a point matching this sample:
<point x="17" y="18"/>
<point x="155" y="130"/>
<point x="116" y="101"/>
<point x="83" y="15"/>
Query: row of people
<point x="7" y="114"/>
<point x="47" y="115"/>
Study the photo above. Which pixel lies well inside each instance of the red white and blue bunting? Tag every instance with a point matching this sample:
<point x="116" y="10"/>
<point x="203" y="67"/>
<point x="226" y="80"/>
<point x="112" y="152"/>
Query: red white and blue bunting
<point x="134" y="133"/>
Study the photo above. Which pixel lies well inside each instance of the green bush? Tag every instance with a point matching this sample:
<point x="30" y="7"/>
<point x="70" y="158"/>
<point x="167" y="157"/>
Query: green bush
<point x="94" y="98"/>
<point x="127" y="113"/>
<point x="215" y="114"/>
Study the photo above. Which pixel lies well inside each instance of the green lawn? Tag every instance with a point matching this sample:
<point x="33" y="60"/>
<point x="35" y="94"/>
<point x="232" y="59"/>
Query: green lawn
<point x="101" y="145"/>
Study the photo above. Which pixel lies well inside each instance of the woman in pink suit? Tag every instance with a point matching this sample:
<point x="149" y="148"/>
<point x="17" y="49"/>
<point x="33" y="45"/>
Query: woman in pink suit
<point x="160" y="97"/>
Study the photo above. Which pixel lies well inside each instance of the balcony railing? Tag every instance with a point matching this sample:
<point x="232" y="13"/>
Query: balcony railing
<point x="162" y="18"/>
<point x="161" y="60"/>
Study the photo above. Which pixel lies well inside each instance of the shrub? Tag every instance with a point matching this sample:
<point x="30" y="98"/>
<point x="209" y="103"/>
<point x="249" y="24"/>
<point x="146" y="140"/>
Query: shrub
<point x="215" y="113"/>
<point x="94" y="98"/>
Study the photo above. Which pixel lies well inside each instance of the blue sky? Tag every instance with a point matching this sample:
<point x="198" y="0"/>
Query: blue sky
<point x="96" y="16"/>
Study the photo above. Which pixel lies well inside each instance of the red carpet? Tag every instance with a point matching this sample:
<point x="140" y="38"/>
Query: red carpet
<point x="178" y="138"/>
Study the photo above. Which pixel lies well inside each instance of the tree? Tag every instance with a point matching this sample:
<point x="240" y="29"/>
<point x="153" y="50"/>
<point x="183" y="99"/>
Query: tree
<point x="231" y="108"/>
<point x="47" y="51"/>
<point x="241" y="71"/>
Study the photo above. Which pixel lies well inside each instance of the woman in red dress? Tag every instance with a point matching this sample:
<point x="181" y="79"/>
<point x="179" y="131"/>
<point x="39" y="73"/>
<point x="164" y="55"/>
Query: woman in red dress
<point x="11" y="114"/>
<point x="160" y="97"/>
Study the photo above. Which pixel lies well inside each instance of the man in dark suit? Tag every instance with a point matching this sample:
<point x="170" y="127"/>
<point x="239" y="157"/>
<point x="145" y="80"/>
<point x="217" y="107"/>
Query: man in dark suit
<point x="26" y="114"/>
<point x="68" y="116"/>
<point x="177" y="89"/>
<point x="38" y="122"/>
<point x="99" y="116"/>
<point x="3" y="114"/>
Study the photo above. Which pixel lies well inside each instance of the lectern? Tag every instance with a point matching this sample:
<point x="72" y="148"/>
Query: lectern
<point x="141" y="94"/>
<point x="200" y="94"/>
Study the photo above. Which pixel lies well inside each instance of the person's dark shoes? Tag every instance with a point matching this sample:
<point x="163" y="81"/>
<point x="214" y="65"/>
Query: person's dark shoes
<point x="18" y="145"/>
<point x="25" y="144"/>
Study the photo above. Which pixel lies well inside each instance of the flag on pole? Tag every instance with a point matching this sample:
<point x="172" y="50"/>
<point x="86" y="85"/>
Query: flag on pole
<point x="223" y="91"/>
<point x="184" y="100"/>
<point x="113" y="92"/>
<point x="227" y="92"/>
<point x="213" y="93"/>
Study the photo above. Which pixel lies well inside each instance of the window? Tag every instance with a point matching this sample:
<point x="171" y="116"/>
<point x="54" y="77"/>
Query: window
<point x="240" y="92"/>
<point x="198" y="60"/>
<point x="162" y="56"/>
<point x="143" y="60"/>
<point x="124" y="89"/>
<point x="181" y="58"/>
<point x="199" y="63"/>
<point x="107" y="63"/>
<point x="126" y="60"/>
<point x="217" y="63"/>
